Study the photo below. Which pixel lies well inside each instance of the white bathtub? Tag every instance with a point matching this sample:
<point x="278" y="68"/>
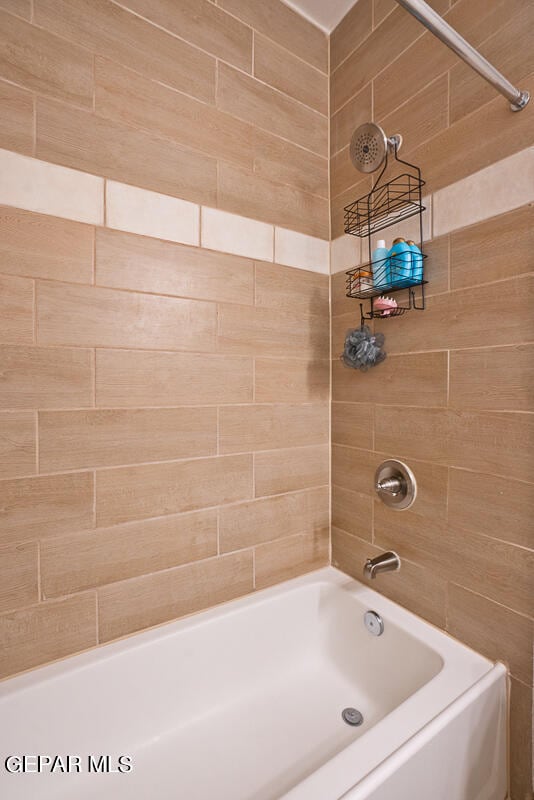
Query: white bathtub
<point x="243" y="702"/>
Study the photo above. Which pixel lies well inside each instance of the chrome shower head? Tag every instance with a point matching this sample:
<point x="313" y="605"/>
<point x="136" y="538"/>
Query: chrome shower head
<point x="369" y="146"/>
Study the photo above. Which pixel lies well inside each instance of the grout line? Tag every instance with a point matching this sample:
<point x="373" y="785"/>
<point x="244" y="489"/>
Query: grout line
<point x="39" y="581"/>
<point x="37" y="453"/>
<point x="97" y="617"/>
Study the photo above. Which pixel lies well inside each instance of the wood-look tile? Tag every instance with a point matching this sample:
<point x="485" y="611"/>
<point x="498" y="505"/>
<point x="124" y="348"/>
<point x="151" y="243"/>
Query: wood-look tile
<point x="493" y="250"/>
<point x="16" y="119"/>
<point x="46" y="505"/>
<point x="133" y="378"/>
<point x="353" y="114"/>
<point x="151" y="599"/>
<point x="509" y="515"/>
<point x="113" y="32"/>
<point x="95" y="317"/>
<point x="413" y="587"/>
<point x="342" y="173"/>
<point x="495" y="379"/>
<point x="417" y="379"/>
<point x="22" y="8"/>
<point x="130" y="493"/>
<point x="284" y="162"/>
<point x="246" y="428"/>
<point x="42" y="246"/>
<point x="284" y="26"/>
<point x="259" y="521"/>
<point x="287" y="470"/>
<point x="352" y="424"/>
<point x="44" y="63"/>
<point x="106" y="438"/>
<point x="17" y="444"/>
<point x="81" y="140"/>
<point x="424" y="115"/>
<point x="16" y="310"/>
<point x="254" y="102"/>
<point x="341" y="304"/>
<point x="294" y="555"/>
<point x="289" y="289"/>
<point x="47" y="631"/>
<point x="437" y="265"/>
<point x="106" y="555"/>
<point x="18" y="576"/>
<point x="269" y="332"/>
<point x="291" y="380"/>
<point x="498" y="570"/>
<point x="127" y="261"/>
<point x="352" y="512"/>
<point x="354" y="469"/>
<point x="202" y="24"/>
<point x="381" y="8"/>
<point x="244" y="192"/>
<point x="521" y="737"/>
<point x="493" y="630"/>
<point x="45" y="377"/>
<point x="355" y="26"/>
<point x="282" y="70"/>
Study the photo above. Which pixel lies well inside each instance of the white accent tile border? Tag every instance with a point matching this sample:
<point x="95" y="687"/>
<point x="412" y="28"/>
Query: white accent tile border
<point x="499" y="188"/>
<point x="345" y="253"/>
<point x="36" y="185"/>
<point x="141" y="211"/>
<point x="295" y="249"/>
<point x="232" y="233"/>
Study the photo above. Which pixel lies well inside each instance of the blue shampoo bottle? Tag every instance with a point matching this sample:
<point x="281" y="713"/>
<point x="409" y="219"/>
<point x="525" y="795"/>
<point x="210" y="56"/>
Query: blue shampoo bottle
<point x="400" y="262"/>
<point x="417" y="262"/>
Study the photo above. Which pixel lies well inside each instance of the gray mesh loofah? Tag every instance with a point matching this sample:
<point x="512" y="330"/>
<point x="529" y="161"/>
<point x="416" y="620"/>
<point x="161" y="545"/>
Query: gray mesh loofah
<point x="362" y="349"/>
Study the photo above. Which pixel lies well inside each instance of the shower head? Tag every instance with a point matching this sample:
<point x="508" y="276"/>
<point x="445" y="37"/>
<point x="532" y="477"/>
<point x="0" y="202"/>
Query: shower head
<point x="369" y="146"/>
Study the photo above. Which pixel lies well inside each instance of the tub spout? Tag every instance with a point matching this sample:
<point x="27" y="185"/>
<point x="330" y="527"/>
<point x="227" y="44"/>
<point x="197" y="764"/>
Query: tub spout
<point x="385" y="562"/>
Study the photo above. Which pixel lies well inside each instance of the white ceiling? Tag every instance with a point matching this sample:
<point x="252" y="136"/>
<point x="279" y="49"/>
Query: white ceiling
<point x="326" y="14"/>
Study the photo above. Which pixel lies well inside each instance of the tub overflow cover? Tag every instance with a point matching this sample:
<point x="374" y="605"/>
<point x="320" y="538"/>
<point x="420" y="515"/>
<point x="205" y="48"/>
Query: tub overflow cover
<point x="352" y="716"/>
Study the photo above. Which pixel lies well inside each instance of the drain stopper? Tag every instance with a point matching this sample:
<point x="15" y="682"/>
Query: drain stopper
<point x="352" y="716"/>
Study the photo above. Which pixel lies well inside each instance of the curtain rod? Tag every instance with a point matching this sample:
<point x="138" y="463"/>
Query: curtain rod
<point x="436" y="25"/>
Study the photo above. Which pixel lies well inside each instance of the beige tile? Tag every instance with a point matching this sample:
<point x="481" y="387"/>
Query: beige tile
<point x="496" y="378"/>
<point x="300" y="250"/>
<point x="243" y="192"/>
<point x="415" y="588"/>
<point x="508" y="516"/>
<point x="18" y="576"/>
<point x="345" y="253"/>
<point x="111" y="31"/>
<point x="246" y="428"/>
<point x="287" y="470"/>
<point x="151" y="599"/>
<point x="38" y="186"/>
<point x="352" y="512"/>
<point x="352" y="424"/>
<point x="423" y="116"/>
<point x="17" y="444"/>
<point x="416" y="379"/>
<point x="93" y="558"/>
<point x="493" y="630"/>
<point x="354" y="469"/>
<point x="493" y="250"/>
<point x="254" y="102"/>
<point x="279" y="561"/>
<point x="41" y="246"/>
<point x="16" y="119"/>
<point x="132" y="378"/>
<point x="84" y="141"/>
<point x="80" y="439"/>
<point x="47" y="631"/>
<point x="279" y="68"/>
<point x="355" y="26"/>
<point x="45" y="377"/>
<point x="437" y="265"/>
<point x="259" y="521"/>
<point x="22" y="8"/>
<point x="289" y="380"/>
<point x="44" y="506"/>
<point x="200" y="23"/>
<point x="520" y="740"/>
<point x="341" y="304"/>
<point x="353" y="114"/>
<point x="285" y="162"/>
<point x="269" y="332"/>
<point x="130" y="493"/>
<point x="98" y="317"/>
<point x="500" y="571"/>
<point x="342" y="173"/>
<point x="124" y="261"/>
<point x="129" y="208"/>
<point x="232" y="233"/>
<point x="381" y="8"/>
<point x="16" y="310"/>
<point x="284" y="26"/>
<point x="395" y="432"/>
<point x="288" y="289"/>
<point x="44" y="63"/>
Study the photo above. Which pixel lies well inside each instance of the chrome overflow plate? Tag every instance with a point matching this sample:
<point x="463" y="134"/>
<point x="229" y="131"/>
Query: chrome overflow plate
<point x="352" y="716"/>
<point x="374" y="623"/>
<point x="395" y="484"/>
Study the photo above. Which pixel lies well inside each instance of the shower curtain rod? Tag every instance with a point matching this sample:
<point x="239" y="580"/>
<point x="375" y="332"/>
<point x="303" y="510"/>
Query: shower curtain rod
<point x="436" y="25"/>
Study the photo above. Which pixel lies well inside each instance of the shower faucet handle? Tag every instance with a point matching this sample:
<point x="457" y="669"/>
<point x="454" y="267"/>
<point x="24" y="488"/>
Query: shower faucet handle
<point x="390" y="485"/>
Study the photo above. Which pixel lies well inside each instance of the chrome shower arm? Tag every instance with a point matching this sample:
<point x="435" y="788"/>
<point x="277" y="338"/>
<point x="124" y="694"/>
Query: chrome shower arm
<point x="445" y="33"/>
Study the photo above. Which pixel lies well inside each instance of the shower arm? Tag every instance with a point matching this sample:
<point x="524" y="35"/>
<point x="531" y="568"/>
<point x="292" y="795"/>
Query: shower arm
<point x="436" y="25"/>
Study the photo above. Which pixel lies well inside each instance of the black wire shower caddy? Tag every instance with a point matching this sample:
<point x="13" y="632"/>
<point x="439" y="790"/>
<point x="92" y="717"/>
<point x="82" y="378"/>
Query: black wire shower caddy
<point x="386" y="204"/>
